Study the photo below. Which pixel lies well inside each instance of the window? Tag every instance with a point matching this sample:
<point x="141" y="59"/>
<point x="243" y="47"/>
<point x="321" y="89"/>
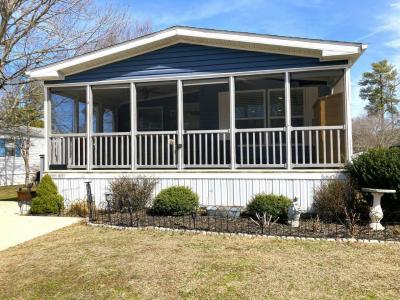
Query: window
<point x="18" y="145"/>
<point x="68" y="109"/>
<point x="2" y="147"/>
<point x="206" y="104"/>
<point x="321" y="93"/>
<point x="250" y="109"/>
<point x="156" y="106"/>
<point x="111" y="108"/>
<point x="260" y="101"/>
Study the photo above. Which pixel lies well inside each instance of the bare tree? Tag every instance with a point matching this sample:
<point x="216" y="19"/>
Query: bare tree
<point x="35" y="32"/>
<point x="370" y="131"/>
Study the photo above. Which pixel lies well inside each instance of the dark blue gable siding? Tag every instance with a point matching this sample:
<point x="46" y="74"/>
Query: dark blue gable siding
<point x="186" y="59"/>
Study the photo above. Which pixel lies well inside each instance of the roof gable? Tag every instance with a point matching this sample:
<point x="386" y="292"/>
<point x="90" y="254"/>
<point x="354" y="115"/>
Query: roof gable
<point x="183" y="59"/>
<point x="322" y="50"/>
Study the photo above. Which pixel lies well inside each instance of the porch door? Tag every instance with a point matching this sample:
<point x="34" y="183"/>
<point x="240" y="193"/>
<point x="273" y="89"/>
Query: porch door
<point x="206" y="134"/>
<point x="156" y="136"/>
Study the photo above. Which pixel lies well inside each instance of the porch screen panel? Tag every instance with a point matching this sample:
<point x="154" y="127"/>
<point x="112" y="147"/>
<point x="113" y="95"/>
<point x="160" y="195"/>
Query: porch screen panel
<point x="206" y="121"/>
<point x="111" y="138"/>
<point x="260" y="121"/>
<point x="157" y="124"/>
<point x="318" y="118"/>
<point x="67" y="141"/>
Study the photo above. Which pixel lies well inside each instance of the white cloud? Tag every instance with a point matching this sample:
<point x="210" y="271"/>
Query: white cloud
<point x="389" y="24"/>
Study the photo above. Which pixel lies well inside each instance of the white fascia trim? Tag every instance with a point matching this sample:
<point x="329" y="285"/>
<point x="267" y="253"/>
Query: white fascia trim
<point x="46" y="74"/>
<point x="326" y="49"/>
<point x="282" y="42"/>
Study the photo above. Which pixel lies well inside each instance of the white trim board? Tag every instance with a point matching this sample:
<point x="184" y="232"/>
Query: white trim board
<point x="324" y="50"/>
<point x="159" y="79"/>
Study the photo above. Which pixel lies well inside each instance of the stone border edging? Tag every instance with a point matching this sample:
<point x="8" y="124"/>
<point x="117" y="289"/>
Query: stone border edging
<point x="203" y="232"/>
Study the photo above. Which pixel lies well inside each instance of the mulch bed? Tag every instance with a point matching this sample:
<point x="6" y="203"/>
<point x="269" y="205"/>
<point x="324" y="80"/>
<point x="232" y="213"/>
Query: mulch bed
<point x="308" y="228"/>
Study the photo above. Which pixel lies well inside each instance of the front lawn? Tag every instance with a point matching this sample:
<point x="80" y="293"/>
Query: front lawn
<point x="82" y="262"/>
<point x="9" y="193"/>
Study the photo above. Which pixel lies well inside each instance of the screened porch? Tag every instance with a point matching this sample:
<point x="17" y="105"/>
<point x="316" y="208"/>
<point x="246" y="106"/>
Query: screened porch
<point x="270" y="121"/>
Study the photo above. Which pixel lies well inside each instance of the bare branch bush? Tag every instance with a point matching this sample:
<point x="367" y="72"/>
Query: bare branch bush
<point x="264" y="221"/>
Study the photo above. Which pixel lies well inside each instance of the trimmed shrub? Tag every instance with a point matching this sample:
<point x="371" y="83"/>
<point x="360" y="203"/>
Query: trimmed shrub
<point x="337" y="200"/>
<point x="378" y="168"/>
<point x="272" y="205"/>
<point x="79" y="209"/>
<point x="176" y="201"/>
<point x="48" y="200"/>
<point x="132" y="193"/>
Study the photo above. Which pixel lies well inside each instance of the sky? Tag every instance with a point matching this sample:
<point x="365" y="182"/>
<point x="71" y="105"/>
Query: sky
<point x="373" y="22"/>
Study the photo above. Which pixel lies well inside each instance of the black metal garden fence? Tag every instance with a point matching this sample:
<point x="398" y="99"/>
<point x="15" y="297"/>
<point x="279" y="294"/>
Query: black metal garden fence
<point x="228" y="220"/>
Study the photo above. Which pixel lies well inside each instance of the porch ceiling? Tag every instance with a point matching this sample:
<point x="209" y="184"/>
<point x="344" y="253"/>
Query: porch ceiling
<point x="324" y="50"/>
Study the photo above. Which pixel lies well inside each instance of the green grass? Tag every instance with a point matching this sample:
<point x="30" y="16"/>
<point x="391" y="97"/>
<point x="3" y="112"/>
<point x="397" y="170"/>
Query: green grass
<point x="81" y="262"/>
<point x="9" y="193"/>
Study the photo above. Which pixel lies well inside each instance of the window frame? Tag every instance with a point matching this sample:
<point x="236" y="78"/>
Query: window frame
<point x="264" y="118"/>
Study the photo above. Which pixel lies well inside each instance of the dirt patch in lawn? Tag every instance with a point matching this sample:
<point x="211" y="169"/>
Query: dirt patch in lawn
<point x="81" y="262"/>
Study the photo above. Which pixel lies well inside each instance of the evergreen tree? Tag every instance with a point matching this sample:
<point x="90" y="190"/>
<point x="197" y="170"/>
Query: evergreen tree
<point x="379" y="88"/>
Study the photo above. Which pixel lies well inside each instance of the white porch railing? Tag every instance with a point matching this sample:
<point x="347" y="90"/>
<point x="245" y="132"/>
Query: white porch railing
<point x="156" y="149"/>
<point x="111" y="150"/>
<point x="311" y="147"/>
<point x="206" y="148"/>
<point x="68" y="150"/>
<point x="318" y="146"/>
<point x="261" y="148"/>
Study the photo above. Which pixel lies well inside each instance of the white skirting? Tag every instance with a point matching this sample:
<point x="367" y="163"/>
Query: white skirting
<point x="224" y="188"/>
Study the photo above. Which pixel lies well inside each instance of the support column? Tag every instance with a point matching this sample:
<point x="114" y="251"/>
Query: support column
<point x="288" y="122"/>
<point x="180" y="125"/>
<point x="232" y="121"/>
<point x="76" y="115"/>
<point x="89" y="113"/>
<point x="347" y="116"/>
<point x="133" y="124"/>
<point x="47" y="127"/>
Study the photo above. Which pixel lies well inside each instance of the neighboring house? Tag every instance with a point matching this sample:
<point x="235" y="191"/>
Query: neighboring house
<point x="12" y="167"/>
<point x="229" y="114"/>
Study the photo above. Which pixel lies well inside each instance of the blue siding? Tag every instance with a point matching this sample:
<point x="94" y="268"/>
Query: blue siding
<point x="183" y="59"/>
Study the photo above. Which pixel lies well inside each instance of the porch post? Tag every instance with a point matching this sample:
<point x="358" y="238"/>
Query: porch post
<point x="232" y="120"/>
<point x="76" y="115"/>
<point x="133" y="124"/>
<point x="47" y="127"/>
<point x="89" y="113"/>
<point x="347" y="116"/>
<point x="180" y="125"/>
<point x="288" y="122"/>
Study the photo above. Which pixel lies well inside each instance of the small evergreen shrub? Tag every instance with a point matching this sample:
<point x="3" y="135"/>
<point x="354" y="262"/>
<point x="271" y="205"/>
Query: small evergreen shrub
<point x="176" y="201"/>
<point x="48" y="200"/>
<point x="378" y="168"/>
<point x="337" y="200"/>
<point x="272" y="205"/>
<point x="132" y="193"/>
<point x="78" y="209"/>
